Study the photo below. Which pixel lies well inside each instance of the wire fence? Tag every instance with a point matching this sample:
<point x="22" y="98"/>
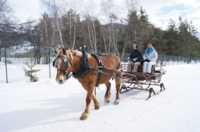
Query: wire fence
<point x="169" y="59"/>
<point x="19" y="56"/>
<point x="27" y="56"/>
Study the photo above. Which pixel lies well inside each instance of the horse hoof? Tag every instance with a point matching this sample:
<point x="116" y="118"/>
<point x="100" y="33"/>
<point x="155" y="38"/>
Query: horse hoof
<point x="84" y="116"/>
<point x="107" y="101"/>
<point x="96" y="107"/>
<point x="116" y="102"/>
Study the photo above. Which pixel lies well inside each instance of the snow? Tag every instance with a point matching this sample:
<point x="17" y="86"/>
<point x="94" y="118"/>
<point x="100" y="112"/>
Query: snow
<point x="46" y="106"/>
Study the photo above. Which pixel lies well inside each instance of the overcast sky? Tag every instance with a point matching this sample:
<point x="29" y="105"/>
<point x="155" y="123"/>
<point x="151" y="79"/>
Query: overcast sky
<point x="159" y="11"/>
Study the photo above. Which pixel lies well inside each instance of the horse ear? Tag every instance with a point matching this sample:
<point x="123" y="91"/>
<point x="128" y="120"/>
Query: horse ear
<point x="64" y="51"/>
<point x="71" y="54"/>
<point x="56" y="51"/>
<point x="74" y="53"/>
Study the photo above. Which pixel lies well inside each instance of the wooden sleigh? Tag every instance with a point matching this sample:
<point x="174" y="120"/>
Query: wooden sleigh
<point x="142" y="81"/>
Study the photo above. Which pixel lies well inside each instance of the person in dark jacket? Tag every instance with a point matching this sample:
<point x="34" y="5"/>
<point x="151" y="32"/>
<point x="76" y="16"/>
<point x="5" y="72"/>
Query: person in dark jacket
<point x="135" y="55"/>
<point x="84" y="59"/>
<point x="135" y="59"/>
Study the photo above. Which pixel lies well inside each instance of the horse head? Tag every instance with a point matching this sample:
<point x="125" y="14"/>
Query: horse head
<point x="65" y="62"/>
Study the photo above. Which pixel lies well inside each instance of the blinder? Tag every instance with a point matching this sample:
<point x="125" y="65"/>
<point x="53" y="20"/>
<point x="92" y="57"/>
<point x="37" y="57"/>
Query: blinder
<point x="66" y="63"/>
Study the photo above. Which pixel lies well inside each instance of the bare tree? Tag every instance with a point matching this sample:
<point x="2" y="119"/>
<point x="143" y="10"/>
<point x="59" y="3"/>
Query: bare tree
<point x="4" y="10"/>
<point x="58" y="26"/>
<point x="107" y="7"/>
<point x="91" y="28"/>
<point x="52" y="8"/>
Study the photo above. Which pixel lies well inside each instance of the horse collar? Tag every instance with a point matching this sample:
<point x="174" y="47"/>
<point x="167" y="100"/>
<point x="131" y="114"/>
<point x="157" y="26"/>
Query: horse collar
<point x="84" y="66"/>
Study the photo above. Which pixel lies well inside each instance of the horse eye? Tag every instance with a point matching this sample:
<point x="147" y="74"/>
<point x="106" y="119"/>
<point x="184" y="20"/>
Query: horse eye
<point x="65" y="62"/>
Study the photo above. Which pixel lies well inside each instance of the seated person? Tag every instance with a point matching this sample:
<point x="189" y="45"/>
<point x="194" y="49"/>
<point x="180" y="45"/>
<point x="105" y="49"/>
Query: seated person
<point x="84" y="59"/>
<point x="135" y="59"/>
<point x="150" y="57"/>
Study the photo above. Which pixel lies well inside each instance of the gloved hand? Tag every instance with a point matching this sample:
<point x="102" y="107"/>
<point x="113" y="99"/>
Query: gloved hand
<point x="133" y="60"/>
<point x="147" y="60"/>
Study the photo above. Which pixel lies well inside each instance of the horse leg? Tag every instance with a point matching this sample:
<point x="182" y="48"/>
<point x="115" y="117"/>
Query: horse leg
<point x="96" y="102"/>
<point x="118" y="83"/>
<point x="108" y="93"/>
<point x="89" y="97"/>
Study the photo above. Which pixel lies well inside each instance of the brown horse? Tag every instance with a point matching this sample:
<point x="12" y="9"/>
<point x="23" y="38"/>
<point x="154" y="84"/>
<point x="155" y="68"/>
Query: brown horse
<point x="68" y="61"/>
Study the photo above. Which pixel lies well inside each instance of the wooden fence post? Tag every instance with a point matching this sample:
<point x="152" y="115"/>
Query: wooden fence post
<point x="49" y="63"/>
<point x="6" y="68"/>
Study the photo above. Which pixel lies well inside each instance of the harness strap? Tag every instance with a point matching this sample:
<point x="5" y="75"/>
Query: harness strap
<point x="98" y="78"/>
<point x="100" y="68"/>
<point x="97" y="59"/>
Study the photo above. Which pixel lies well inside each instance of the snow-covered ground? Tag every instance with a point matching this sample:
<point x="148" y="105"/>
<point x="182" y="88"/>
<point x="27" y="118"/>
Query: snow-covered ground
<point x="46" y="106"/>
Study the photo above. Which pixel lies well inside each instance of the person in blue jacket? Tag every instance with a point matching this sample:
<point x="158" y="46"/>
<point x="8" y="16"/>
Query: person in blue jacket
<point x="150" y="57"/>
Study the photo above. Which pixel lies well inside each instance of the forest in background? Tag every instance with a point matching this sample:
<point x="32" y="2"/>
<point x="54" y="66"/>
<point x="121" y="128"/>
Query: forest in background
<point x="71" y="30"/>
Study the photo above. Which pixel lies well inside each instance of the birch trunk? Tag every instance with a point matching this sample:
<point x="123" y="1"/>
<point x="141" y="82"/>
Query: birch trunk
<point x="94" y="38"/>
<point x="74" y="40"/>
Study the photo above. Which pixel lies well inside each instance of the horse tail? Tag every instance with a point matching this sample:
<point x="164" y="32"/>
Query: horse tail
<point x="119" y="63"/>
<point x="117" y="72"/>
